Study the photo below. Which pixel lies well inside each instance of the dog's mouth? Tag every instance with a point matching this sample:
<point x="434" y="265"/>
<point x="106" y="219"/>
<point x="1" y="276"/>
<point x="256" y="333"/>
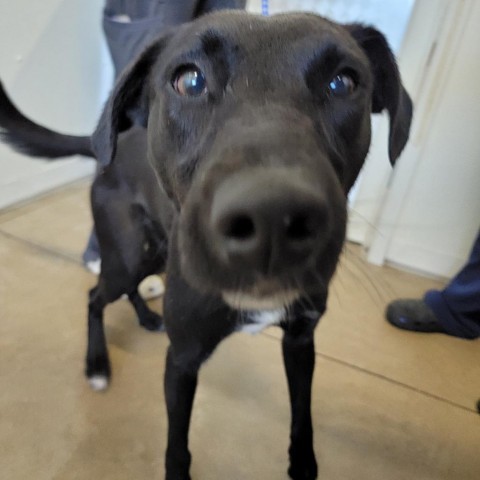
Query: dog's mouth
<point x="263" y="296"/>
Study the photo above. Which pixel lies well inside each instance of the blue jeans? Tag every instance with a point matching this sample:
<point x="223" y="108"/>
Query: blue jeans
<point x="457" y="306"/>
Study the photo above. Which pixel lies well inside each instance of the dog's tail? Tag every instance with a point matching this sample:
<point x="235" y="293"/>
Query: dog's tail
<point x="26" y="136"/>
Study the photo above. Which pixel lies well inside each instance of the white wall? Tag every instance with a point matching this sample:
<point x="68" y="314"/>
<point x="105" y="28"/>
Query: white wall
<point x="55" y="67"/>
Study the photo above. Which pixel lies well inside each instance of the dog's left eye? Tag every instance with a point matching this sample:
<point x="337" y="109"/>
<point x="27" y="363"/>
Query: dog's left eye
<point x="190" y="82"/>
<point x="342" y="85"/>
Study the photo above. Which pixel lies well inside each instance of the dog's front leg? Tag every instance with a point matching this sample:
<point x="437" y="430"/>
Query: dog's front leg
<point x="193" y="339"/>
<point x="195" y="324"/>
<point x="180" y="386"/>
<point x="299" y="358"/>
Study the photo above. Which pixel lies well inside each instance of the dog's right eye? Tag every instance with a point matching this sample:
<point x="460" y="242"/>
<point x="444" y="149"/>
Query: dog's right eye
<point x="342" y="85"/>
<point x="190" y="82"/>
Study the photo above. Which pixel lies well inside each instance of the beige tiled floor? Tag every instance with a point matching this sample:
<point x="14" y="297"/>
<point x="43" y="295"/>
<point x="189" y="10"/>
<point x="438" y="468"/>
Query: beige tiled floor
<point x="387" y="404"/>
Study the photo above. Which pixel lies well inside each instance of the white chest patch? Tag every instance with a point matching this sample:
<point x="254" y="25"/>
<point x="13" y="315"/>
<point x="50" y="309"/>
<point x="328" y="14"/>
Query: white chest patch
<point x="255" y="322"/>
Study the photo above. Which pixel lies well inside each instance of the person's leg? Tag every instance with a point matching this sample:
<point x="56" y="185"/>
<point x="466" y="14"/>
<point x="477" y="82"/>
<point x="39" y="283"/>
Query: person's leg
<point x="206" y="6"/>
<point x="91" y="255"/>
<point x="457" y="307"/>
<point x="129" y="26"/>
<point x="455" y="310"/>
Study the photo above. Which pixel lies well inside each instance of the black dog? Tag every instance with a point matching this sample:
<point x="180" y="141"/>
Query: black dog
<point x="256" y="130"/>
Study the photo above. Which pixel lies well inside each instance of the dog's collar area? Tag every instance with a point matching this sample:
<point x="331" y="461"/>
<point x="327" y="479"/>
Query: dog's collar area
<point x="255" y="321"/>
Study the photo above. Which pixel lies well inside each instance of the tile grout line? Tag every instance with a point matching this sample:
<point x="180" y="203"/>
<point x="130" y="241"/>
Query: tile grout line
<point x="397" y="382"/>
<point x="385" y="378"/>
<point x="41" y="248"/>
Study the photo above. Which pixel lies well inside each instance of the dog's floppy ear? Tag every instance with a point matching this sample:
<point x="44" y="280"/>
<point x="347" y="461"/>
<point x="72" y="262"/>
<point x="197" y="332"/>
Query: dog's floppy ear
<point x="128" y="100"/>
<point x="388" y="91"/>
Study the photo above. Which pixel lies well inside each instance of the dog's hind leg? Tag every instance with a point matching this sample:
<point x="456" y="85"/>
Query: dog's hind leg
<point x="109" y="288"/>
<point x="97" y="367"/>
<point x="130" y="247"/>
<point x="147" y="318"/>
<point x="299" y="358"/>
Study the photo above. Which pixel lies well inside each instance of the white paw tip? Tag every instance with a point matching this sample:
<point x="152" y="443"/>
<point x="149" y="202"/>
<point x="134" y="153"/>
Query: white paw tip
<point x="98" y="382"/>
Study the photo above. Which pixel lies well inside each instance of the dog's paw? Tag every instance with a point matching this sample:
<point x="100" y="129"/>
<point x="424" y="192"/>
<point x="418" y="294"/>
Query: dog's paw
<point x="98" y="373"/>
<point x="303" y="467"/>
<point x="152" y="321"/>
<point x="98" y="383"/>
<point x="303" y="472"/>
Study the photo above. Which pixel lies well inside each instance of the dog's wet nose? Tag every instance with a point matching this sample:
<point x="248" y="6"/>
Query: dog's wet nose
<point x="267" y="224"/>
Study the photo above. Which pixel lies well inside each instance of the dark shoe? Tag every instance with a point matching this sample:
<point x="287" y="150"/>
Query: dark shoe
<point x="414" y="315"/>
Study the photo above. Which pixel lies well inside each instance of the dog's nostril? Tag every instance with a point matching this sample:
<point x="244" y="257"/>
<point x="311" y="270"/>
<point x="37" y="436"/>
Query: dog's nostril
<point x="299" y="227"/>
<point x="240" y="227"/>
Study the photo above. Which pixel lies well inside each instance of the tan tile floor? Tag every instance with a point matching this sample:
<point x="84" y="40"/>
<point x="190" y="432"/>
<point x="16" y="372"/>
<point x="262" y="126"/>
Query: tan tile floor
<point x="386" y="404"/>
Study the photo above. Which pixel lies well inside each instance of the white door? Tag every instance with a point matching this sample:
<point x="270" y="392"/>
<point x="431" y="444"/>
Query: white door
<point x="54" y="66"/>
<point x="431" y="212"/>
